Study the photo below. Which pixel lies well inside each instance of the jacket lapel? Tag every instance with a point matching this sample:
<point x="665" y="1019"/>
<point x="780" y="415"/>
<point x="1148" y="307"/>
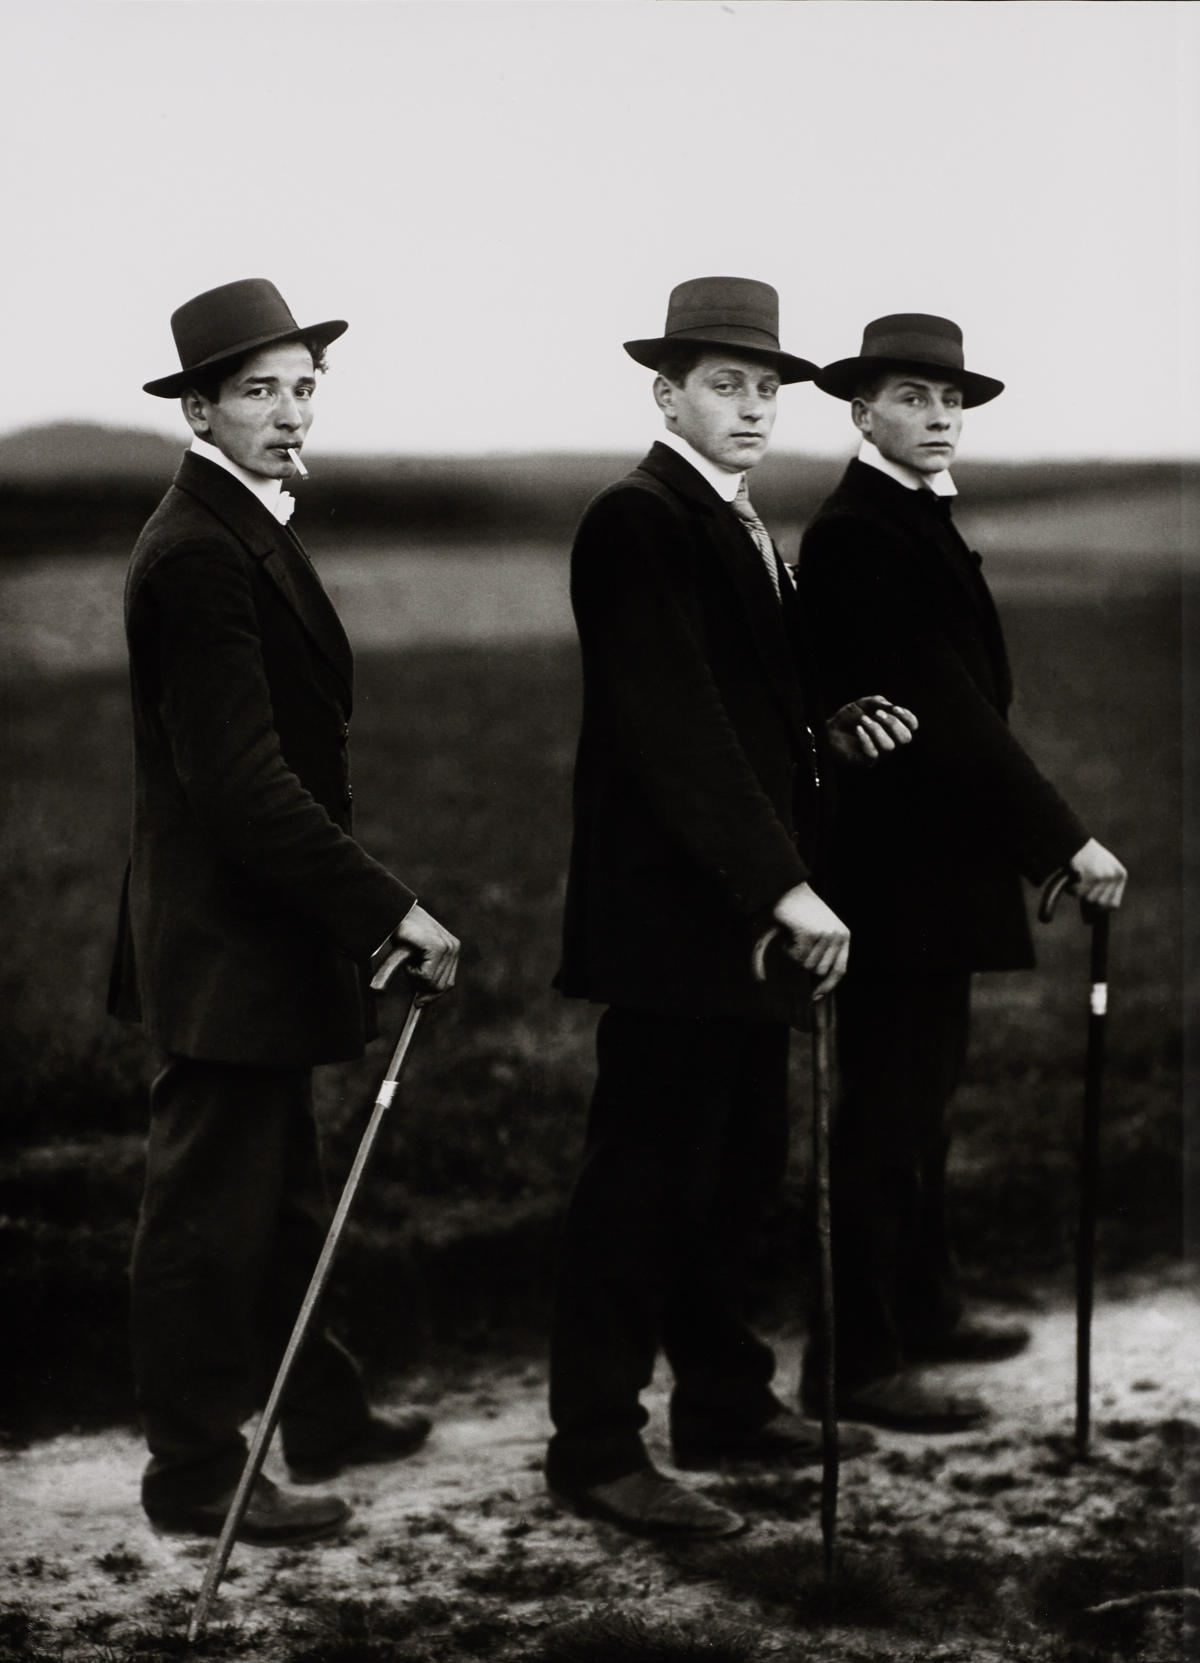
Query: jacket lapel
<point x="736" y="555"/>
<point x="939" y="548"/>
<point x="279" y="551"/>
<point x="294" y="575"/>
<point x="930" y="538"/>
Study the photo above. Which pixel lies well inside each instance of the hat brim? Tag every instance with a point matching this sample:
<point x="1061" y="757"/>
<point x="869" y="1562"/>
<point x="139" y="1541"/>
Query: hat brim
<point x="841" y="379"/>
<point x="790" y="368"/>
<point x="173" y="386"/>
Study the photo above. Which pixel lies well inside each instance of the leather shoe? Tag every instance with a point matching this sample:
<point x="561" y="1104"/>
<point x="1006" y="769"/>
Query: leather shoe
<point x="905" y="1402"/>
<point x="648" y="1503"/>
<point x="975" y="1340"/>
<point x="786" y="1439"/>
<point x="382" y="1438"/>
<point x="272" y="1515"/>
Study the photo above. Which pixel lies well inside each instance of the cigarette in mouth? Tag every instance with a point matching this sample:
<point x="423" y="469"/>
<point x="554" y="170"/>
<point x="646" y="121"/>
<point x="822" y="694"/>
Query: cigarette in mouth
<point x="297" y="463"/>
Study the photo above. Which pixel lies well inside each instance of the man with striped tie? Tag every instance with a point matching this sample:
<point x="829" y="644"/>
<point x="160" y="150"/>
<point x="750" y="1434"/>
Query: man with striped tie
<point x="700" y="816"/>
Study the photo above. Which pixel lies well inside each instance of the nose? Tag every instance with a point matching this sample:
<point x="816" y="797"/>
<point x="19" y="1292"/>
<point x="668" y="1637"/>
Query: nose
<point x="287" y="412"/>
<point x="939" y="416"/>
<point x="752" y="406"/>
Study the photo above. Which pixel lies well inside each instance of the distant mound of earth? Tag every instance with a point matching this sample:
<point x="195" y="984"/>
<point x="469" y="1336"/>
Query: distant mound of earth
<point x="85" y="451"/>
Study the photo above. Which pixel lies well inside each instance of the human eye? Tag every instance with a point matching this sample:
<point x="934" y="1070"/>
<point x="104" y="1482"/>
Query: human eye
<point x="258" y="391"/>
<point x="305" y="392"/>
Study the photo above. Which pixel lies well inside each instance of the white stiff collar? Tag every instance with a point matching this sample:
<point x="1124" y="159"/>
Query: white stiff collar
<point x="266" y="490"/>
<point x="940" y="483"/>
<point x="724" y="483"/>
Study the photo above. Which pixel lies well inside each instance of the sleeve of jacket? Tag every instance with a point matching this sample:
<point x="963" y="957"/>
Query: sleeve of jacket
<point x="876" y="636"/>
<point x="642" y="637"/>
<point x="197" y="607"/>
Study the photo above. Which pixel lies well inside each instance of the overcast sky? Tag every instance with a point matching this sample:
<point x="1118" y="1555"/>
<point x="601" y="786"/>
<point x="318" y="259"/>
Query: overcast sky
<point x="497" y="194"/>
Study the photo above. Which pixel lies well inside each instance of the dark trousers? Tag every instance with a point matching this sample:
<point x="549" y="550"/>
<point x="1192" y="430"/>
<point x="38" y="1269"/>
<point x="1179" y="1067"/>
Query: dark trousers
<point x="233" y="1217"/>
<point x="901" y="1047"/>
<point x="686" y="1146"/>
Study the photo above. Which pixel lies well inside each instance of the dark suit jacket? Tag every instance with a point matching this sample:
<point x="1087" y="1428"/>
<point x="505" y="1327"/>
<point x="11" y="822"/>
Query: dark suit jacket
<point x="696" y="798"/>
<point x="249" y="909"/>
<point x="930" y="842"/>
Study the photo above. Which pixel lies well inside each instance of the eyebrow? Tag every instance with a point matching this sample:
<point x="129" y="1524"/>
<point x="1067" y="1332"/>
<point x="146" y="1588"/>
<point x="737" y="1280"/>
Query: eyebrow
<point x="275" y="381"/>
<point x="730" y="369"/>
<point x="927" y="386"/>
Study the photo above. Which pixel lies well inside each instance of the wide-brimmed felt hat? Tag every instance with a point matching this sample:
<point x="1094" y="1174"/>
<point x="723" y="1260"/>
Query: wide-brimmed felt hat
<point x="909" y="341"/>
<point x="724" y="311"/>
<point x="230" y="321"/>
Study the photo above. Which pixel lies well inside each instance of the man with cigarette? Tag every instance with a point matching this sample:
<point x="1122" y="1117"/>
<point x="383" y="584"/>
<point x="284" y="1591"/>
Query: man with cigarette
<point x="248" y="920"/>
<point x="700" y="812"/>
<point x="927" y="866"/>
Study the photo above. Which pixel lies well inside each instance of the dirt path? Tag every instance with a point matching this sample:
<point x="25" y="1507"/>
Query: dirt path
<point x="985" y="1546"/>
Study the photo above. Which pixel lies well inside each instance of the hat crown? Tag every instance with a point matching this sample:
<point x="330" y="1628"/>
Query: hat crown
<point x="918" y="336"/>
<point x="910" y="341"/>
<point x="704" y="304"/>
<point x="221" y="319"/>
<point x="723" y="312"/>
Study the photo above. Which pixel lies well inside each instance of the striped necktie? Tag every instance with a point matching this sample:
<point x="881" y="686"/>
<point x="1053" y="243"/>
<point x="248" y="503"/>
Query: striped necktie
<point x="744" y="509"/>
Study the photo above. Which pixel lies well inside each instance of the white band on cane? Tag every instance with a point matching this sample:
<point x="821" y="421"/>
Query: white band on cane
<point x="1099" y="998"/>
<point x="387" y="1091"/>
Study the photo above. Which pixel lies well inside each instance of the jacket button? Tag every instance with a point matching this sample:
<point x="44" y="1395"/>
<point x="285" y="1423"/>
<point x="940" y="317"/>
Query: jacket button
<point x="349" y="797"/>
<point x="345" y="732"/>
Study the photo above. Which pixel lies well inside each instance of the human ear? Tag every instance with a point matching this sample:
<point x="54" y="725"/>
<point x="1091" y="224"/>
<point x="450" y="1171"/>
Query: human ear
<point x="664" y="395"/>
<point x="860" y="415"/>
<point x="195" y="410"/>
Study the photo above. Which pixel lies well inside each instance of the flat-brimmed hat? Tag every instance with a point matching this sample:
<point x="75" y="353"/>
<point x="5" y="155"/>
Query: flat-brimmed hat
<point x="724" y="311"/>
<point x="909" y="341"/>
<point x="230" y="321"/>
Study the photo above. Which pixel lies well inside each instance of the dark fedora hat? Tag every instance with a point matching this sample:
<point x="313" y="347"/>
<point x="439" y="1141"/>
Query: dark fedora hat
<point x="230" y="321"/>
<point x="909" y="341"/>
<point x="724" y="311"/>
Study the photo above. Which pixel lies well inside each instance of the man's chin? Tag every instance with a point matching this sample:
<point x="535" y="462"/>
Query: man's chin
<point x="743" y="457"/>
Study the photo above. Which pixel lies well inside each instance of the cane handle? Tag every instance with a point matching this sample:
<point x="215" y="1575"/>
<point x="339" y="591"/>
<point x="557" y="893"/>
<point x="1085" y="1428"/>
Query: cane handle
<point x="1088" y="910"/>
<point x="761" y="948"/>
<point x="385" y="963"/>
<point x="1054" y="888"/>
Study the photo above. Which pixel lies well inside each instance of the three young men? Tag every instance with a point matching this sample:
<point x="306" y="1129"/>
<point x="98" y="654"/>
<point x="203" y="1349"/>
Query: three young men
<point x="716" y="703"/>
<point x="248" y="921"/>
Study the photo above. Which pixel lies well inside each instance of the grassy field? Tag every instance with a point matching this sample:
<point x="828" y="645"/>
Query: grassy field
<point x="462" y="760"/>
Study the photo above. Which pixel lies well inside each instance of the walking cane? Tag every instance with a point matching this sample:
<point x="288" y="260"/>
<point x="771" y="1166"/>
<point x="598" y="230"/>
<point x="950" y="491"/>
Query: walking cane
<point x="768" y="954"/>
<point x="1089" y="1159"/>
<point x="316" y="1287"/>
<point x="822" y="1098"/>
